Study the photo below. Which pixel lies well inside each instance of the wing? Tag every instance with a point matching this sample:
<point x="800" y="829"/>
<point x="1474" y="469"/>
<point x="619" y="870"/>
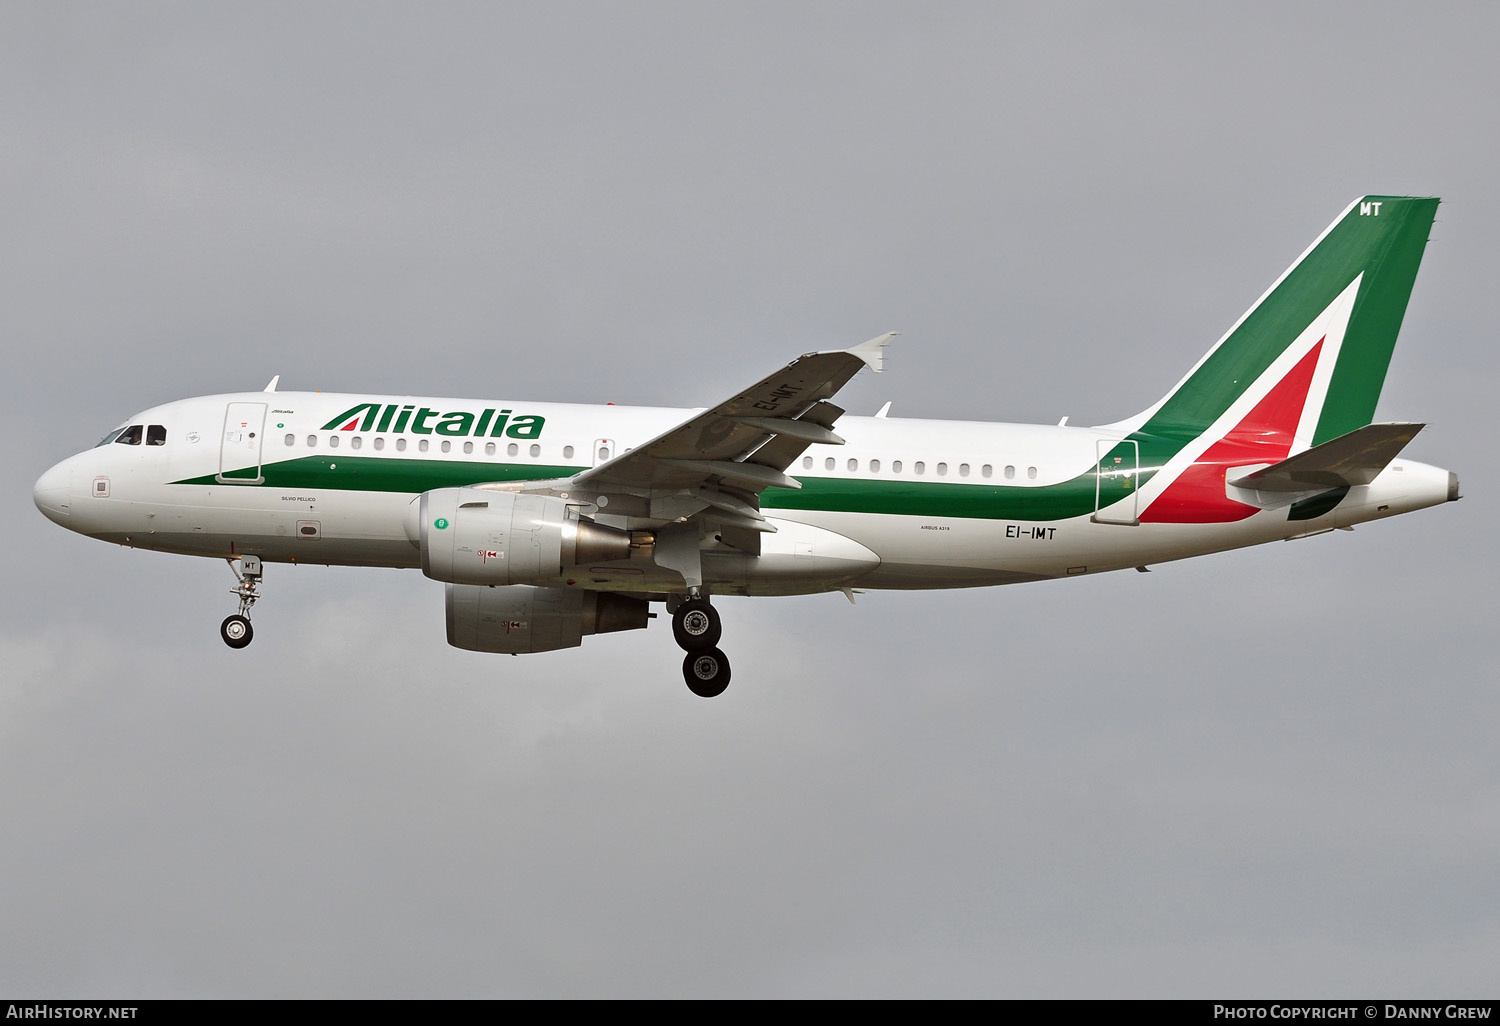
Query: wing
<point x="715" y="464"/>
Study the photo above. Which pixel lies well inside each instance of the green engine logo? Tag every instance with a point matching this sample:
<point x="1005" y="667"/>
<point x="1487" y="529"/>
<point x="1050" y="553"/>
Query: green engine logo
<point x="440" y="523"/>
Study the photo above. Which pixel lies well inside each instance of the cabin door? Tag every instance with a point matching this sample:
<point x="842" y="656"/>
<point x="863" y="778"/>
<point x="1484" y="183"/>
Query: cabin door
<point x="239" y="448"/>
<point x="1117" y="482"/>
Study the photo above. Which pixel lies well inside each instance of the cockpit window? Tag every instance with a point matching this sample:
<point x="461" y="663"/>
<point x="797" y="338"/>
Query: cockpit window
<point x="156" y="435"/>
<point x="129" y="436"/>
<point x="109" y="437"/>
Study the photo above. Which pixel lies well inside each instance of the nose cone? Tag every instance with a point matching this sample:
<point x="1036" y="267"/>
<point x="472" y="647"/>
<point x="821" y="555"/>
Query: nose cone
<point x="53" y="494"/>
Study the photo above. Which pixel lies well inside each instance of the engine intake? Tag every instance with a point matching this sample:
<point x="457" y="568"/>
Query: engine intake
<point x="476" y="536"/>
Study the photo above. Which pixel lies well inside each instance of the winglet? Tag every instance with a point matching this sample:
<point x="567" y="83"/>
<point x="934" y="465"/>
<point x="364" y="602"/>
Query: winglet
<point x="271" y="385"/>
<point x="873" y="351"/>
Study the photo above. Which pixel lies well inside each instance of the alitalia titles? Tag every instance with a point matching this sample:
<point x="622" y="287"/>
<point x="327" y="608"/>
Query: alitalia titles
<point x="420" y="420"/>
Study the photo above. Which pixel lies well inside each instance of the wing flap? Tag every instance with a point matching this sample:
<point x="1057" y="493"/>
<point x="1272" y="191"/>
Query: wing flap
<point x="748" y="441"/>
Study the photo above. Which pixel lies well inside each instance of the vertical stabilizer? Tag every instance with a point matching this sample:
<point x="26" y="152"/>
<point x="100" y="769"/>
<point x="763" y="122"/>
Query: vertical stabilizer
<point x="1340" y="305"/>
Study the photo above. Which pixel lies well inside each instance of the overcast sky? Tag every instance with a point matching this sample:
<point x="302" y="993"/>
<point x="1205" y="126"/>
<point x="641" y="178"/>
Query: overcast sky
<point x="1266" y="773"/>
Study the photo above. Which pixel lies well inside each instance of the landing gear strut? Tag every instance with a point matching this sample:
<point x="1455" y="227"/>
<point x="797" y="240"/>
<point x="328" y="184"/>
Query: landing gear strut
<point x="236" y="630"/>
<point x="697" y="628"/>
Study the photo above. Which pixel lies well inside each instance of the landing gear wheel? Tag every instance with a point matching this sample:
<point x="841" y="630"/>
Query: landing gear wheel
<point x="236" y="631"/>
<point x="696" y="626"/>
<point x="706" y="673"/>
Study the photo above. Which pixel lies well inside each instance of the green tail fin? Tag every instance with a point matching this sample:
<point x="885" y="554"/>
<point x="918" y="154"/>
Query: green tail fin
<point x="1378" y="241"/>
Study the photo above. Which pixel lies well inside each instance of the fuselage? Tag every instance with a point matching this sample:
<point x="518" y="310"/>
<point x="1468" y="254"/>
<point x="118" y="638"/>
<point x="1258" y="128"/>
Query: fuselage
<point x="329" y="478"/>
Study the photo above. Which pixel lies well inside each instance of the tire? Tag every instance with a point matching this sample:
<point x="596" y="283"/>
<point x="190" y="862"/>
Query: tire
<point x="236" y="631"/>
<point x="706" y="673"/>
<point x="696" y="626"/>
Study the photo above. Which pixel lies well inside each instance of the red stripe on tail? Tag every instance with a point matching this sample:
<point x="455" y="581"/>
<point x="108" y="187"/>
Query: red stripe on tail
<point x="1264" y="436"/>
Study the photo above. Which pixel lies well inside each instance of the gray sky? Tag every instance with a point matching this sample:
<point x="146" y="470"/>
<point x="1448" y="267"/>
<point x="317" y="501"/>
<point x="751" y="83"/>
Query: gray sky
<point x="1265" y="773"/>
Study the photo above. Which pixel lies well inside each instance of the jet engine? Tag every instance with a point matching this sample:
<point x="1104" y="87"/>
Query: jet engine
<point x="521" y="618"/>
<point x="478" y="536"/>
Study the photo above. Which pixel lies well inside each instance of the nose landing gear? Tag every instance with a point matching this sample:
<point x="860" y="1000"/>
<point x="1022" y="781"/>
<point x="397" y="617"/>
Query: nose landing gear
<point x="236" y="630"/>
<point x="697" y="629"/>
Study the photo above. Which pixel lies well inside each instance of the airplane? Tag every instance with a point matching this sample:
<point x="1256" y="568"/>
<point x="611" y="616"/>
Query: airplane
<point x="551" y="522"/>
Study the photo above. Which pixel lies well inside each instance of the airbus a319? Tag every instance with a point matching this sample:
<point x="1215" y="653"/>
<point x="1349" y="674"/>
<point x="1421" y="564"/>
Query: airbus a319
<point x="550" y="522"/>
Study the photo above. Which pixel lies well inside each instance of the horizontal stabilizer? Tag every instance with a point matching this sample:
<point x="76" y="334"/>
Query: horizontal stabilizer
<point x="1353" y="459"/>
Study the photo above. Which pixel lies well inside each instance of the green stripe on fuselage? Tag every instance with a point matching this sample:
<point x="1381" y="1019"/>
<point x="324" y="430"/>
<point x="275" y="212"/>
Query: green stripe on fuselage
<point x="977" y="501"/>
<point x="388" y="474"/>
<point x="1060" y="501"/>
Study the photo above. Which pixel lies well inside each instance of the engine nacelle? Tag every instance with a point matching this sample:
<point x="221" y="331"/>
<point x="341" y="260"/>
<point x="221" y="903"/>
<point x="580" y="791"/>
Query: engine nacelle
<point x="477" y="536"/>
<point x="520" y="618"/>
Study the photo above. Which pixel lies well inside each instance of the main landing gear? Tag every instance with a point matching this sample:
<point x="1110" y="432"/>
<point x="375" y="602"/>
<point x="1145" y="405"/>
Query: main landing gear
<point x="696" y="626"/>
<point x="236" y="630"/>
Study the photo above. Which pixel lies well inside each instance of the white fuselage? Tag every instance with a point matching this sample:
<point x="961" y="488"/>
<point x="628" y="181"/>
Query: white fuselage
<point x="903" y="504"/>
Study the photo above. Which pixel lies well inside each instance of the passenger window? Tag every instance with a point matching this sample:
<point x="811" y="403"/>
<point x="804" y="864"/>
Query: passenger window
<point x="447" y="446"/>
<point x="422" y="445"/>
<point x="807" y="463"/>
<point x="920" y="467"/>
<point x="536" y="450"/>
<point x="874" y="466"/>
<point x="987" y="470"/>
<point x="942" y="469"/>
<point x="356" y="442"/>
<point x="312" y="441"/>
<point x="895" y="466"/>
<point x="156" y="435"/>
<point x="400" y="445"/>
<point x="333" y="441"/>
<point x="130" y="436"/>
<point x="291" y="440"/>
<point x="828" y="464"/>
<point x="468" y="447"/>
<point x="379" y="443"/>
<point x="963" y="470"/>
<point x="512" y="449"/>
<point x="854" y="464"/>
<point x="1031" y="473"/>
<point x="489" y="448"/>
<point x="1010" y="472"/>
<point x="567" y="452"/>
